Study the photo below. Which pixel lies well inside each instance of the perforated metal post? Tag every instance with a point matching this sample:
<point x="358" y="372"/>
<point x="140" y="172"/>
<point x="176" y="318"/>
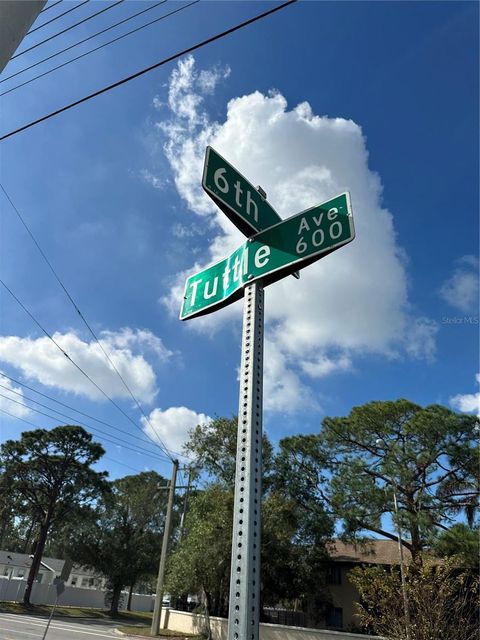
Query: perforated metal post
<point x="244" y="611"/>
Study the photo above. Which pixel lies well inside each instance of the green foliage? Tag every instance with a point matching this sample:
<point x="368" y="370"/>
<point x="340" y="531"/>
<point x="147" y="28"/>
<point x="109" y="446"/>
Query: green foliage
<point x="122" y="537"/>
<point x="214" y="447"/>
<point x="461" y="542"/>
<point x="49" y="476"/>
<point x="292" y="537"/>
<point x="201" y="561"/>
<point x="293" y="555"/>
<point x="50" y="471"/>
<point x="427" y="454"/>
<point x="442" y="601"/>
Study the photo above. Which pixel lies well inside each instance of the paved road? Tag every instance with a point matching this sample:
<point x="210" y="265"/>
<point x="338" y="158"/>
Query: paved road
<point x="21" y="627"/>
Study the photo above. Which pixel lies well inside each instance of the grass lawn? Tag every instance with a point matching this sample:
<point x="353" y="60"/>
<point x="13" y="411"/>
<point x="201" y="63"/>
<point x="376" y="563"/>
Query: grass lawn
<point x="76" y="612"/>
<point x="145" y="631"/>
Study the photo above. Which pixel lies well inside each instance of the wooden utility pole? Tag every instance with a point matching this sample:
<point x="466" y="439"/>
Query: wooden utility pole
<point x="157" y="611"/>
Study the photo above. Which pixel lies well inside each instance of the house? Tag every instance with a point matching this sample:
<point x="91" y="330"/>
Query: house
<point x="341" y="613"/>
<point x="15" y="566"/>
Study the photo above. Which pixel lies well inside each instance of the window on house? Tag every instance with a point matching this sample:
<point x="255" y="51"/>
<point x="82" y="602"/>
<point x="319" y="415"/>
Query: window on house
<point x="6" y="571"/>
<point x="20" y="573"/>
<point x="85" y="582"/>
<point x="334" y="575"/>
<point x="73" y="581"/>
<point x="334" y="617"/>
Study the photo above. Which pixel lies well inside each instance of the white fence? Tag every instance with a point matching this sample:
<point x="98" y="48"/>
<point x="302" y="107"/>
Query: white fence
<point x="13" y="590"/>
<point x="192" y="623"/>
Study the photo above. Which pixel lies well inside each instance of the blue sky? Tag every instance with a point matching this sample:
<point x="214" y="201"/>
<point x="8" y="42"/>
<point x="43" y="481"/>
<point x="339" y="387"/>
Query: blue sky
<point x="380" y="98"/>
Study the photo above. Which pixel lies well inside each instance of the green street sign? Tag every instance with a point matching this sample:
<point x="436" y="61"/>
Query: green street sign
<point x="271" y="255"/>
<point x="236" y="196"/>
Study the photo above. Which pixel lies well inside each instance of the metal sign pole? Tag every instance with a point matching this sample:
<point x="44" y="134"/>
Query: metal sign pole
<point x="52" y="612"/>
<point x="244" y="607"/>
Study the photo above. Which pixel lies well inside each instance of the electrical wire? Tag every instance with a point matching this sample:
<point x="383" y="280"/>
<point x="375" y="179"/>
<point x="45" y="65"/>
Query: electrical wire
<point x="60" y="15"/>
<point x="123" y="464"/>
<point x="82" y="317"/>
<point x="68" y="406"/>
<point x="87" y="53"/>
<point x="194" y="47"/>
<point x="105" y="437"/>
<point x="115" y="404"/>
<point x="50" y="6"/>
<point x="72" y="26"/>
<point x="69" y="417"/>
<point x="136" y="448"/>
<point x="94" y="35"/>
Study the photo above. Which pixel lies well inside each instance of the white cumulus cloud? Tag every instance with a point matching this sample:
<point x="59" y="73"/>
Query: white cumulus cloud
<point x="283" y="390"/>
<point x="354" y="301"/>
<point x="11" y="398"/>
<point x="421" y="343"/>
<point x="172" y="426"/>
<point x="39" y="359"/>
<point x="468" y="402"/>
<point x="461" y="289"/>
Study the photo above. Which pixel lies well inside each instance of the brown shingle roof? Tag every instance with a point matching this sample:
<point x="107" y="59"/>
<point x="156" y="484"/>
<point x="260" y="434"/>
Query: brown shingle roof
<point x="369" y="551"/>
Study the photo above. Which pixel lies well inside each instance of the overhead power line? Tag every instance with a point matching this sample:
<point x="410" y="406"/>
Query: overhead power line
<point x="74" y="420"/>
<point x="123" y="464"/>
<point x="94" y="35"/>
<point x="50" y="6"/>
<point x="82" y="317"/>
<point x="87" y="53"/>
<point x="218" y="36"/>
<point x="55" y="35"/>
<point x="60" y="15"/>
<point x="145" y="439"/>
<point x="69" y="417"/>
<point x="115" y="404"/>
<point x="105" y="437"/>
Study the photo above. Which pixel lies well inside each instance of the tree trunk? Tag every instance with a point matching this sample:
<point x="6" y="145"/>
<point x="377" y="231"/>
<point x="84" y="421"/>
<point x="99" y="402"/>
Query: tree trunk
<point x="3" y="528"/>
<point x="207" y="604"/>
<point x="32" y="574"/>
<point x="130" y="594"/>
<point x="414" y="529"/>
<point x="29" y="534"/>
<point x="215" y="610"/>
<point x="117" y="590"/>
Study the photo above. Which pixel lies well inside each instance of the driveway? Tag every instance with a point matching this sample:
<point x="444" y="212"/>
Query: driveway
<point x="22" y="627"/>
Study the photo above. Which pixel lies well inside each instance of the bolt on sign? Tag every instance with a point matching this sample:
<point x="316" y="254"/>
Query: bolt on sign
<point x="271" y="255"/>
<point x="274" y="249"/>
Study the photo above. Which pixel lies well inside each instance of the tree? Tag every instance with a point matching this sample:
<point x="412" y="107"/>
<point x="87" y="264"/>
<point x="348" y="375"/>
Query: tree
<point x="427" y="455"/>
<point x="292" y="540"/>
<point x="461" y="542"/>
<point x="442" y="599"/>
<point x="201" y="561"/>
<point x="291" y="568"/>
<point x="214" y="446"/>
<point x="50" y="471"/>
<point x="123" y="538"/>
<point x="293" y="555"/>
<point x="9" y="506"/>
